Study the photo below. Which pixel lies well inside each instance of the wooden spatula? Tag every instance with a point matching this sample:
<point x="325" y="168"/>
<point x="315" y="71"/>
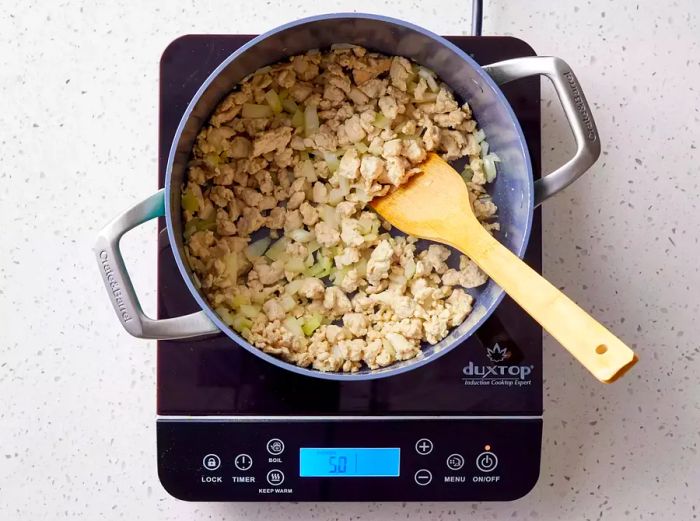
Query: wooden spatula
<point x="434" y="205"/>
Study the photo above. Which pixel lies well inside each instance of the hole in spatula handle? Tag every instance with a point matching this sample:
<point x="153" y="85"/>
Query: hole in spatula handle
<point x="601" y="349"/>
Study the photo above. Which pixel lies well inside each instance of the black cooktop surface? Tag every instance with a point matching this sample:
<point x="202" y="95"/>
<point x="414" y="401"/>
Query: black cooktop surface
<point x="214" y="376"/>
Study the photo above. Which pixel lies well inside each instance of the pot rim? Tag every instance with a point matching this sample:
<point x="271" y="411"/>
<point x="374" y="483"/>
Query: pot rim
<point x="390" y="370"/>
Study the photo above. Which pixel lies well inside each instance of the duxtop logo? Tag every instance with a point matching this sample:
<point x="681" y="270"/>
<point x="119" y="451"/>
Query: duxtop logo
<point x="500" y="373"/>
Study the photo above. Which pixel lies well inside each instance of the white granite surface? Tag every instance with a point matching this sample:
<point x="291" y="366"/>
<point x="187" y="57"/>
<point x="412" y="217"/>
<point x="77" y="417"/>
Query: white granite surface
<point x="78" y="84"/>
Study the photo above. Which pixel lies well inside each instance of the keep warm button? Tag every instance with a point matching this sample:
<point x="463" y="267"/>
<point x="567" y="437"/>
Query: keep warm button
<point x="486" y="461"/>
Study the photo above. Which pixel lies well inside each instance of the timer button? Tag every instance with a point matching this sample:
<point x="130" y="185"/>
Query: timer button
<point x="486" y="461"/>
<point x="423" y="477"/>
<point x="243" y="462"/>
<point x="424" y="446"/>
<point x="275" y="446"/>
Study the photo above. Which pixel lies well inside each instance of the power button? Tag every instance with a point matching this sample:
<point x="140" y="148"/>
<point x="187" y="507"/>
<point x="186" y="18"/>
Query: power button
<point x="486" y="461"/>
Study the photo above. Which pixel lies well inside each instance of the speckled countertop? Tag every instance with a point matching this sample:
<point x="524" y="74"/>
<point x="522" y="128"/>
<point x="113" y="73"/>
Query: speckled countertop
<point x="79" y="83"/>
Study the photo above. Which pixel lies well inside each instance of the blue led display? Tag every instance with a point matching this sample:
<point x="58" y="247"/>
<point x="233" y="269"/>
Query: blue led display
<point x="349" y="462"/>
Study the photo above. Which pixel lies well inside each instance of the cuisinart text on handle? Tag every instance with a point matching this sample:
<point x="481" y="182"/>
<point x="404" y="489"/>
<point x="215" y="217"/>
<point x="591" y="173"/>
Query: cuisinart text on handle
<point x="113" y="283"/>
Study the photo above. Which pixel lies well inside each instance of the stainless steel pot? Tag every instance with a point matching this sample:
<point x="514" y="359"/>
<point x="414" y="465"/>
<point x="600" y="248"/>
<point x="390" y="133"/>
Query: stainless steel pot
<point x="514" y="192"/>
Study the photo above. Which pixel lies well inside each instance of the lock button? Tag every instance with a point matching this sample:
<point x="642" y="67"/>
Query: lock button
<point x="211" y="462"/>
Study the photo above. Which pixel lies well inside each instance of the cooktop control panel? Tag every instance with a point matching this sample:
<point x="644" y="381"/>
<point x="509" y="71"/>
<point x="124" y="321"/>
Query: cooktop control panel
<point x="349" y="459"/>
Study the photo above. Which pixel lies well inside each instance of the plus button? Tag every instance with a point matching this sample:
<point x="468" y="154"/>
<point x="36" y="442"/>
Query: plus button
<point x="424" y="446"/>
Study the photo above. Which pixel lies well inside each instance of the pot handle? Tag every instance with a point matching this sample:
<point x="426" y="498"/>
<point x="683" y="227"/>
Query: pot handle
<point x="575" y="107"/>
<point x="121" y="290"/>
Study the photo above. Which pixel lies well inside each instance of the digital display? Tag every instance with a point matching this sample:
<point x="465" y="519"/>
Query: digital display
<point x="349" y="462"/>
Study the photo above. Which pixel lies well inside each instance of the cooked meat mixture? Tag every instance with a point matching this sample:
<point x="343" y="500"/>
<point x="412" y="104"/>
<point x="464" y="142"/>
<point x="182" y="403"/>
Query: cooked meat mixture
<point x="277" y="226"/>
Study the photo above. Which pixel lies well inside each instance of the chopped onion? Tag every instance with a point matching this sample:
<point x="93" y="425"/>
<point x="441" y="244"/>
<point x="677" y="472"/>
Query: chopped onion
<point x="287" y="302"/>
<point x="484" y="148"/>
<point x="257" y="249"/>
<point x="467" y="173"/>
<point x="289" y="106"/>
<point x="361" y="267"/>
<point x="331" y="160"/>
<point x="276" y="251"/>
<point x="250" y="110"/>
<point x="311" y="324"/>
<point x="189" y="201"/>
<point x="335" y="196"/>
<point x="240" y="300"/>
<point x="308" y="171"/>
<point x="259" y="297"/>
<point x="301" y="235"/>
<point x="321" y="269"/>
<point x="250" y="311"/>
<point x="381" y="121"/>
<point x="295" y="264"/>
<point x="309" y="261"/>
<point x="313" y="246"/>
<point x="429" y="77"/>
<point x="310" y="120"/>
<point x="274" y="101"/>
<point x="233" y="265"/>
<point x="361" y="147"/>
<point x="293" y="287"/>
<point x="489" y="169"/>
<point x="409" y="270"/>
<point x="494" y="157"/>
<point x="292" y="325"/>
<point x="480" y="135"/>
<point x="328" y="215"/>
<point x="298" y="119"/>
<point x="225" y="315"/>
<point x="241" y="323"/>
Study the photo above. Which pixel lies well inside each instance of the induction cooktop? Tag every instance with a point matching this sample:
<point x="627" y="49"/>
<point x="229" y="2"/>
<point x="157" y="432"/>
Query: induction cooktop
<point x="232" y="427"/>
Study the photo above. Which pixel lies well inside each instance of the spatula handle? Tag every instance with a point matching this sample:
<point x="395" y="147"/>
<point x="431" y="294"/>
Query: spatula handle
<point x="601" y="352"/>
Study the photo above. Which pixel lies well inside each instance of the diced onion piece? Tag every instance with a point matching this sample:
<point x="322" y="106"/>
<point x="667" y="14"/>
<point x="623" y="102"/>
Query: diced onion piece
<point x="361" y="195"/>
<point x="250" y="311"/>
<point x="301" y="235"/>
<point x="339" y="275"/>
<point x="233" y="265"/>
<point x="331" y="160"/>
<point x="295" y="264"/>
<point x="289" y="106"/>
<point x="489" y="169"/>
<point x="309" y="261"/>
<point x="287" y="302"/>
<point x="361" y="147"/>
<point x="240" y="300"/>
<point x="276" y="251"/>
<point x="428" y="97"/>
<point x="344" y="184"/>
<point x="274" y="101"/>
<point x="494" y="158"/>
<point x="313" y="246"/>
<point x="189" y="201"/>
<point x="293" y="287"/>
<point x="292" y="325"/>
<point x="429" y="77"/>
<point x="321" y="269"/>
<point x="225" y="315"/>
<point x="298" y="119"/>
<point x="304" y="155"/>
<point x="257" y="248"/>
<point x="251" y="110"/>
<point x="311" y="324"/>
<point x="484" y="148"/>
<point x="241" y="323"/>
<point x="480" y="135"/>
<point x="328" y="215"/>
<point x="308" y="170"/>
<point x="311" y="123"/>
<point x="381" y="121"/>
<point x="284" y="94"/>
<point x="335" y="196"/>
